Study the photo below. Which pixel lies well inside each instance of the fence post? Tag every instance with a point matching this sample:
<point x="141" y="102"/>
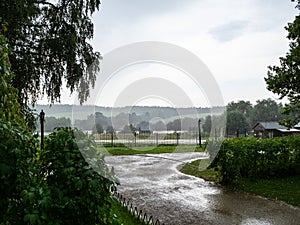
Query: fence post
<point x="199" y="128"/>
<point x="42" y="120"/>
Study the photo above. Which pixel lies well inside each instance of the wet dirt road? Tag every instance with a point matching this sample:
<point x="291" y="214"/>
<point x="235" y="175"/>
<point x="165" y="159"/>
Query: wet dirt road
<point x="153" y="184"/>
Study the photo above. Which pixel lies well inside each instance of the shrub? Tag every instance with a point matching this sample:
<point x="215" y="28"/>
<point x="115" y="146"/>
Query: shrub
<point x="78" y="194"/>
<point x="17" y="148"/>
<point x="17" y="166"/>
<point x="258" y="158"/>
<point x="50" y="186"/>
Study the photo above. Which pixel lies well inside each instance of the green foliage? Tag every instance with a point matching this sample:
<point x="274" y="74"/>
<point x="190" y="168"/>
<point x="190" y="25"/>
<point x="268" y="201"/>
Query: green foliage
<point x="98" y="128"/>
<point x="17" y="171"/>
<point x="244" y="107"/>
<point x="101" y="119"/>
<point x="55" y="185"/>
<point x="258" y="158"/>
<point x="236" y="121"/>
<point x="284" y="79"/>
<point x="121" y="149"/>
<point x="9" y="106"/>
<point x="247" y="115"/>
<point x="79" y="192"/>
<point x="18" y="150"/>
<point x="50" y="43"/>
<point x="244" y="112"/>
<point x="125" y="217"/>
<point x="30" y="117"/>
<point x="174" y="125"/>
<point x="266" y="110"/>
<point x="285" y="189"/>
<point x="198" y="167"/>
<point x="207" y="124"/>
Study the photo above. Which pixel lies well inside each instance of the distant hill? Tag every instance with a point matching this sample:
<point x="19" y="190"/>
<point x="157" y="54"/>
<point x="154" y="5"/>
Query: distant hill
<point x="81" y="112"/>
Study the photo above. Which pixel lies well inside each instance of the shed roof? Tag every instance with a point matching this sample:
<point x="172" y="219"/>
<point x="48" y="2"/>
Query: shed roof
<point x="272" y="125"/>
<point x="275" y="126"/>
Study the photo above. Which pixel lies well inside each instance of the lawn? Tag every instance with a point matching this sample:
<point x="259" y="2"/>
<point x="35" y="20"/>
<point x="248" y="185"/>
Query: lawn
<point x="197" y="169"/>
<point x="284" y="189"/>
<point x="120" y="149"/>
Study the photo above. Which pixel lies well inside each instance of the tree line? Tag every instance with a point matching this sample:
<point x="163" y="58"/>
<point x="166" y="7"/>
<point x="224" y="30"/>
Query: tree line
<point x="127" y="122"/>
<point x="241" y="116"/>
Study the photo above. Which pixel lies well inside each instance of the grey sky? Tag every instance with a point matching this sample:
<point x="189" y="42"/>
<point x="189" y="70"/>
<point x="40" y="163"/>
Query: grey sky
<point x="230" y="31"/>
<point x="236" y="39"/>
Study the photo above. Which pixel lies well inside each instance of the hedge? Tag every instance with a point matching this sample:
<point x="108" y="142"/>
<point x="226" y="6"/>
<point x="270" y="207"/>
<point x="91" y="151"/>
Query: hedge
<point x="258" y="158"/>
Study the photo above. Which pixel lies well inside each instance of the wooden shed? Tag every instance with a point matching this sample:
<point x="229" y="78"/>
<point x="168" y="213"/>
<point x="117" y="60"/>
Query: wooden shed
<point x="272" y="129"/>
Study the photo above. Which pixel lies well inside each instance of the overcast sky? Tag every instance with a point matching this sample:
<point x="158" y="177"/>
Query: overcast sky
<point x="236" y="39"/>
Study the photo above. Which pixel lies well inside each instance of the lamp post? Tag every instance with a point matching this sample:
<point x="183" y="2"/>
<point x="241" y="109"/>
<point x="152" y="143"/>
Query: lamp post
<point x="42" y="120"/>
<point x="199" y="128"/>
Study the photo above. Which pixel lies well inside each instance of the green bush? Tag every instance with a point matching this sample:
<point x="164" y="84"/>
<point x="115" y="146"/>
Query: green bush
<point x="18" y="149"/>
<point x="258" y="158"/>
<point x="54" y="185"/>
<point x="78" y="194"/>
<point x="17" y="166"/>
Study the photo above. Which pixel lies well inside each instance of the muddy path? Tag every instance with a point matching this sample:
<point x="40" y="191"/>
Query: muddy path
<point x="153" y="184"/>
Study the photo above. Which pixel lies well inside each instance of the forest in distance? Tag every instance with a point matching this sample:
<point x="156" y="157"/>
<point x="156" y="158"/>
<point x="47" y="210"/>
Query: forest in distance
<point x="240" y="115"/>
<point x="65" y="110"/>
<point x="159" y="118"/>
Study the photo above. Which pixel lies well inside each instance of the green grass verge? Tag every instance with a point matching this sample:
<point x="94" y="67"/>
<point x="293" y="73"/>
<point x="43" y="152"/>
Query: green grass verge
<point x="197" y="169"/>
<point x="121" y="149"/>
<point x="284" y="189"/>
<point x="123" y="215"/>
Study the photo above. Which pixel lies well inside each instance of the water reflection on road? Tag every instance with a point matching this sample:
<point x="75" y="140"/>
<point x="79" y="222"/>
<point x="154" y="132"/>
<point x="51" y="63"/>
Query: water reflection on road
<point x="154" y="185"/>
